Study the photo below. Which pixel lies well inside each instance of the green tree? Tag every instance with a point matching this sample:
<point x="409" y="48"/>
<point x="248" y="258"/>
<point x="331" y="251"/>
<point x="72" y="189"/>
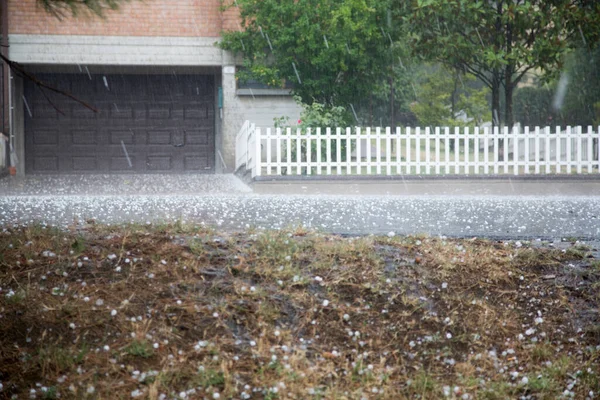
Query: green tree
<point x="499" y="41"/>
<point x="333" y="51"/>
<point x="443" y="94"/>
<point x="60" y="8"/>
<point x="540" y="105"/>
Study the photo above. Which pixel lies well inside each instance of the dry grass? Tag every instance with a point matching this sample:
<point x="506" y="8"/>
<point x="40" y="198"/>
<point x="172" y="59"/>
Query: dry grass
<point x="184" y="312"/>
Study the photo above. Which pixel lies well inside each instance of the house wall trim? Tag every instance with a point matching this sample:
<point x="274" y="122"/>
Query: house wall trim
<point x="116" y="50"/>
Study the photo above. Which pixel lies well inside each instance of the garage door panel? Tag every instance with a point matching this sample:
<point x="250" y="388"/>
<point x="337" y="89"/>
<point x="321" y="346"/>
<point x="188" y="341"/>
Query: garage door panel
<point x="163" y="123"/>
<point x="84" y="164"/>
<point x="159" y="163"/>
<point x="197" y="136"/>
<point x="43" y="111"/>
<point x="82" y="137"/>
<point x="121" y="137"/>
<point x="45" y="137"/>
<point x="159" y="111"/>
<point x="46" y="163"/>
<point x="121" y="112"/>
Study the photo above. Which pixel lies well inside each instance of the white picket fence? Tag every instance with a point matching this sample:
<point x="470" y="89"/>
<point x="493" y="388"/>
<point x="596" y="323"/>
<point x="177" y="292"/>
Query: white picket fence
<point x="417" y="151"/>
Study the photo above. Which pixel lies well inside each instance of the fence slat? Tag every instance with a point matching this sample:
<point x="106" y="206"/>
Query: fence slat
<point x="388" y="151"/>
<point x="547" y="148"/>
<point x="486" y="150"/>
<point x="496" y="150"/>
<point x="288" y="152"/>
<point x="278" y="150"/>
<point x="298" y="152"/>
<point x="537" y="150"/>
<point x="558" y="157"/>
<point x="437" y="150"/>
<point x="378" y="150"/>
<point x="590" y="150"/>
<point x="467" y="158"/>
<point x="526" y="146"/>
<point x="418" y="149"/>
<point x="368" y="160"/>
<point x="398" y="152"/>
<point x="427" y="151"/>
<point x="258" y="153"/>
<point x="579" y="150"/>
<point x="308" y="151"/>
<point x="348" y="152"/>
<point x="516" y="154"/>
<point x="569" y="157"/>
<point x="476" y="151"/>
<point x="456" y="150"/>
<point x="598" y="148"/>
<point x="319" y="141"/>
<point x="408" y="162"/>
<point x="338" y="149"/>
<point x="328" y="150"/>
<point x="447" y="150"/>
<point x="269" y="162"/>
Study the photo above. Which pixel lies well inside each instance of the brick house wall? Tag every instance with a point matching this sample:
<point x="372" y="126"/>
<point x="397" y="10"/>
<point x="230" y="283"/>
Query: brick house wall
<point x="181" y="18"/>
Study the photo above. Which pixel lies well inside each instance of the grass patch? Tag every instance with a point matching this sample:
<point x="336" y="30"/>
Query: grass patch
<point x="140" y="348"/>
<point x="291" y="314"/>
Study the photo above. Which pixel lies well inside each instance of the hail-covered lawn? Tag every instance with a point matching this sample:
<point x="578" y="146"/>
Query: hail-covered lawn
<point x="178" y="312"/>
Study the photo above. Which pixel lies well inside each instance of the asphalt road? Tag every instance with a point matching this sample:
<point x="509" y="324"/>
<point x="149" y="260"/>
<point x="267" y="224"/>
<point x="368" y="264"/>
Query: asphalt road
<point x="230" y="206"/>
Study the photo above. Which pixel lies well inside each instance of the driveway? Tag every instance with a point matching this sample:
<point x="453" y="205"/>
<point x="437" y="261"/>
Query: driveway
<point x="225" y="202"/>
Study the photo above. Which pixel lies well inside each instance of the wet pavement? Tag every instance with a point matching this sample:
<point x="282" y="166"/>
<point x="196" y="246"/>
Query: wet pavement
<point x="225" y="202"/>
<point x="121" y="185"/>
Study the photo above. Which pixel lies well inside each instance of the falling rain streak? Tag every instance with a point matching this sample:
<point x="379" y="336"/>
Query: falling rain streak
<point x="126" y="154"/>
<point x="354" y="112"/>
<point x="88" y="72"/>
<point x="297" y="74"/>
<point x="325" y="39"/>
<point x="269" y="41"/>
<point x="414" y="90"/>
<point x="561" y="91"/>
<point x="105" y="82"/>
<point x="478" y="35"/>
<point x="27" y="106"/>
<point x="401" y="64"/>
<point x="582" y="35"/>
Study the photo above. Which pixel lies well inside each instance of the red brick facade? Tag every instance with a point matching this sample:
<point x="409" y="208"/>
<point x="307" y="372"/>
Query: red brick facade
<point x="187" y="18"/>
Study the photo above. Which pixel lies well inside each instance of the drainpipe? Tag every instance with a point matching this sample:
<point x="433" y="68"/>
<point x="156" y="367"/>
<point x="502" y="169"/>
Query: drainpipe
<point x="4" y="50"/>
<point x="6" y="112"/>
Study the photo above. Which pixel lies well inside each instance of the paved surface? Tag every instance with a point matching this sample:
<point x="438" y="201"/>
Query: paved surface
<point x="224" y="201"/>
<point x="121" y="185"/>
<point x="451" y="186"/>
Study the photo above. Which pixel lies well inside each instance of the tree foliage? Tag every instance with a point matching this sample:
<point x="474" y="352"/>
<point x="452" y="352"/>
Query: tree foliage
<point x="499" y="41"/>
<point x="61" y="8"/>
<point x="333" y="51"/>
<point x="443" y="95"/>
<point x="535" y="105"/>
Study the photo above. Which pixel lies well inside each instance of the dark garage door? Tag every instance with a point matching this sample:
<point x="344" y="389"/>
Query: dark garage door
<point x="145" y="124"/>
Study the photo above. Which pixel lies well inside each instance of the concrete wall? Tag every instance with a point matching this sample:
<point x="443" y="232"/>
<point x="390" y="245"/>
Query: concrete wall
<point x="115" y="50"/>
<point x="260" y="109"/>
